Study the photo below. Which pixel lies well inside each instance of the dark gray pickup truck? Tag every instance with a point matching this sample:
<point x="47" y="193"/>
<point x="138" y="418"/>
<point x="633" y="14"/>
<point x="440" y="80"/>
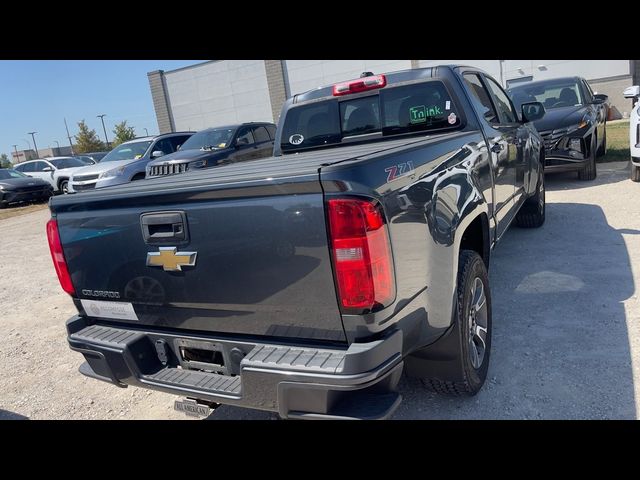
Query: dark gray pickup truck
<point x="305" y="283"/>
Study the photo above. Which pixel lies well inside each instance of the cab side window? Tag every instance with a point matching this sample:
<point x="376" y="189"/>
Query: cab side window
<point x="476" y="87"/>
<point x="506" y="112"/>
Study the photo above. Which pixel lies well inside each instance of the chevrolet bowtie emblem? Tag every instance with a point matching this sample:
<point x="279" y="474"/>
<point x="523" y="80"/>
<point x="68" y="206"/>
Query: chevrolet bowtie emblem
<point x="170" y="259"/>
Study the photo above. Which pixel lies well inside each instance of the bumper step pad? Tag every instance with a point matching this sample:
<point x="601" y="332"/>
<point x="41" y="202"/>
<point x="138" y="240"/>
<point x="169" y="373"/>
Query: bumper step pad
<point x="209" y="382"/>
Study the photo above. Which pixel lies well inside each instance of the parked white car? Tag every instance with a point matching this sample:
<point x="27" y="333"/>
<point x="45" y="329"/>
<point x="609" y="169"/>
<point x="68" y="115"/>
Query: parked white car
<point x="634" y="131"/>
<point x="55" y="170"/>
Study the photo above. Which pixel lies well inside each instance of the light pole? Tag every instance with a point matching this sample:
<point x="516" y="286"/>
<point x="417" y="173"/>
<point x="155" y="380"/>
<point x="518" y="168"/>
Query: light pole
<point x="35" y="147"/>
<point x="101" y="117"/>
<point x="15" y="147"/>
<point x="57" y="143"/>
<point x="146" y="131"/>
<point x="68" y="136"/>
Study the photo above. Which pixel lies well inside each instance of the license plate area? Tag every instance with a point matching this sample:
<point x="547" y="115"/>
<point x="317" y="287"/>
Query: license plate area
<point x="201" y="355"/>
<point x="192" y="408"/>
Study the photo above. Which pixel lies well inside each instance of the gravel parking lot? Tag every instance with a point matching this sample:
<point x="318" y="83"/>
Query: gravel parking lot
<point x="565" y="310"/>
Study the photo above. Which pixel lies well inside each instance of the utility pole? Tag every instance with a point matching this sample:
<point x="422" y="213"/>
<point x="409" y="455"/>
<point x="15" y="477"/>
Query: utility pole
<point x="68" y="136"/>
<point x="35" y="147"/>
<point x="101" y="117"/>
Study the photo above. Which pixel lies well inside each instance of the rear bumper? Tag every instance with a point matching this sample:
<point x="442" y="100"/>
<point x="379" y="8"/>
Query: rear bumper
<point x="359" y="381"/>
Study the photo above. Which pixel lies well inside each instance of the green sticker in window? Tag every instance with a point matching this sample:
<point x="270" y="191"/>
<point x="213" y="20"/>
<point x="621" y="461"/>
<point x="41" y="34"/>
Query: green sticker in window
<point x="420" y="113"/>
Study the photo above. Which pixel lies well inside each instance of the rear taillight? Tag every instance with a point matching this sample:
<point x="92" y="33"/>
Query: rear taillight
<point x="53" y="235"/>
<point x="359" y="85"/>
<point x="361" y="255"/>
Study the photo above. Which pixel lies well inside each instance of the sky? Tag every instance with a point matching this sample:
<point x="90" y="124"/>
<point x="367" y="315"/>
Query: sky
<point x="36" y="95"/>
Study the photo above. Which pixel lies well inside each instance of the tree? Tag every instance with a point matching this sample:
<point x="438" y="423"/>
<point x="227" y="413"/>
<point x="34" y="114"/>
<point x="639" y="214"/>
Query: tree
<point x="123" y="133"/>
<point x="87" y="140"/>
<point x="5" y="162"/>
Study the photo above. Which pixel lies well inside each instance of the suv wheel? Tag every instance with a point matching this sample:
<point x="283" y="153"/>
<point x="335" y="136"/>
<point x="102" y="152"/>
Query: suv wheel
<point x="589" y="170"/>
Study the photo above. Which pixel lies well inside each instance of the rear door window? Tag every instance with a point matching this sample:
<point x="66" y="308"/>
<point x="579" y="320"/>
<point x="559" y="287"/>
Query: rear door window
<point x="40" y="166"/>
<point x="272" y="131"/>
<point x="260" y="134"/>
<point x="177" y="141"/>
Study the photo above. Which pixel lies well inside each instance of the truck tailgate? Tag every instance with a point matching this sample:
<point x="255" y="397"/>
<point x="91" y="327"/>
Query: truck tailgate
<point x="262" y="264"/>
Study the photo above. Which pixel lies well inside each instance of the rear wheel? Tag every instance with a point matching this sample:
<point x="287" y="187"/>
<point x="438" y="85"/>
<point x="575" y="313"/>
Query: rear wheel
<point x="635" y="173"/>
<point x="532" y="213"/>
<point x="472" y="326"/>
<point x="589" y="171"/>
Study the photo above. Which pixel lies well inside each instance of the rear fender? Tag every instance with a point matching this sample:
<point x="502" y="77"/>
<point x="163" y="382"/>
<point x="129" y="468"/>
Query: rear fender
<point x="457" y="201"/>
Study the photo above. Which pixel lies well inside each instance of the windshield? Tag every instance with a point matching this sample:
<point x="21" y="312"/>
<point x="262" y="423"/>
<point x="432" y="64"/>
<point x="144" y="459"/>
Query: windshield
<point x="421" y="107"/>
<point x="127" y="151"/>
<point x="553" y="94"/>
<point x="61" y="163"/>
<point x="6" y="174"/>
<point x="209" y="139"/>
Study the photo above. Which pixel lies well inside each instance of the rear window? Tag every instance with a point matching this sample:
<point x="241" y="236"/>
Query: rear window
<point x="422" y="107"/>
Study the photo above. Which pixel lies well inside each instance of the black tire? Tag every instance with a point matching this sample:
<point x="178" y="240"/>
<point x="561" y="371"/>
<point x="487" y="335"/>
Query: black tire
<point x="64" y="187"/>
<point x="471" y="268"/>
<point x="635" y="173"/>
<point x="589" y="171"/>
<point x="532" y="213"/>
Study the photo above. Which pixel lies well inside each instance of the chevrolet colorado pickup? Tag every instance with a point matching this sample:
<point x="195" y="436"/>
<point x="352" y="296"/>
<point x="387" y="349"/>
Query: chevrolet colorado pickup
<point x="307" y="282"/>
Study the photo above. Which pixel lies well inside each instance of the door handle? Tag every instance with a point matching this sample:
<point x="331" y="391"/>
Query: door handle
<point x="164" y="228"/>
<point x="496" y="147"/>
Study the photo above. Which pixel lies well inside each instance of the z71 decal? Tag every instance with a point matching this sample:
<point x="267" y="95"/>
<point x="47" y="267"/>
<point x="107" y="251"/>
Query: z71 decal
<point x="399" y="170"/>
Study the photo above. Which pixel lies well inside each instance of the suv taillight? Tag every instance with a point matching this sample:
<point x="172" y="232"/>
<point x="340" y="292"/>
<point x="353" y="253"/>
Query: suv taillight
<point x="361" y="254"/>
<point x="58" y="257"/>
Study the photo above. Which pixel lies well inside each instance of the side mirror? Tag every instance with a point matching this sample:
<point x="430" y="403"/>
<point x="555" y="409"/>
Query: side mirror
<point x="47" y="169"/>
<point x="600" y="98"/>
<point x="632" y="92"/>
<point x="532" y="111"/>
<point x="242" y="141"/>
<point x="157" y="153"/>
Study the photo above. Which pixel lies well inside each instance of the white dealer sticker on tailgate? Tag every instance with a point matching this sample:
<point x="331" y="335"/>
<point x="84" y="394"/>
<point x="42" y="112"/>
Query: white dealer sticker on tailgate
<point x="118" y="310"/>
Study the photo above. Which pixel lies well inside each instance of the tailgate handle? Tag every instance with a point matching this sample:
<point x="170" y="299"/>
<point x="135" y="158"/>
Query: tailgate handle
<point x="164" y="228"/>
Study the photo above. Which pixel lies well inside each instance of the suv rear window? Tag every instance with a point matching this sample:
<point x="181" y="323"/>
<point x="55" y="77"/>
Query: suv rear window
<point x="421" y="107"/>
